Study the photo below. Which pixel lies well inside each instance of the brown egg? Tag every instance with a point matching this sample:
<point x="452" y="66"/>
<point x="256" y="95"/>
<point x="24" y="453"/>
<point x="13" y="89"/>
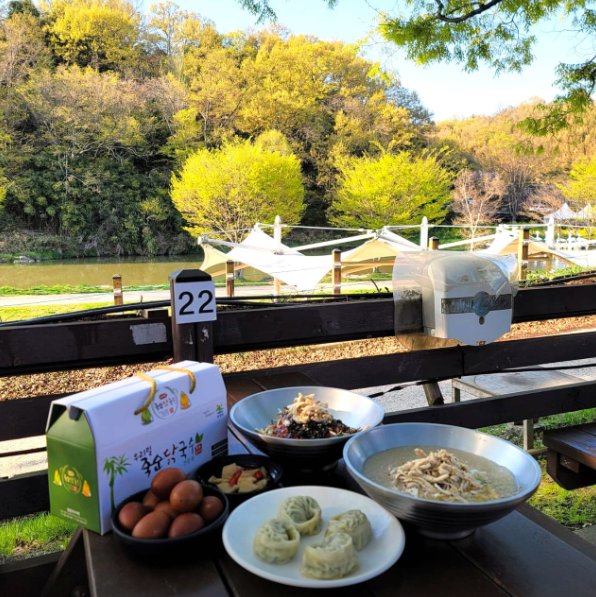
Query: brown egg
<point x="130" y="514"/>
<point x="150" y="500"/>
<point x="154" y="525"/>
<point x="167" y="508"/>
<point x="210" y="508"/>
<point x="185" y="524"/>
<point x="186" y="496"/>
<point x="163" y="483"/>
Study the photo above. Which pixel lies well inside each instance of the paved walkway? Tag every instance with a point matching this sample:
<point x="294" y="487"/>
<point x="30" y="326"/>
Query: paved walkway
<point x="137" y="296"/>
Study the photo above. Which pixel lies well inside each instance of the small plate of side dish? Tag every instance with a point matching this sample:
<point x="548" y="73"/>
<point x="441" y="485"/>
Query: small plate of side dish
<point x="313" y="537"/>
<point x="257" y="474"/>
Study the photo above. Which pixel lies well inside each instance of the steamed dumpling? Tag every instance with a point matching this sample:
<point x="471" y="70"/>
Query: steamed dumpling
<point x="276" y="542"/>
<point x="355" y="524"/>
<point x="333" y="558"/>
<point x="303" y="512"/>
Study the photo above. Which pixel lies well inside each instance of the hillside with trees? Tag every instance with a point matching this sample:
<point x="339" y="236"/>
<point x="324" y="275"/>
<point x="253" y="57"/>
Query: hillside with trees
<point x="128" y="133"/>
<point x="102" y="106"/>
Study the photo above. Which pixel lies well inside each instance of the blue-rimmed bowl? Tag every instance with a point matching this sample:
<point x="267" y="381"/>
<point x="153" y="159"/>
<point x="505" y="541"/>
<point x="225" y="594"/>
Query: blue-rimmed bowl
<point x="259" y="410"/>
<point x="442" y="520"/>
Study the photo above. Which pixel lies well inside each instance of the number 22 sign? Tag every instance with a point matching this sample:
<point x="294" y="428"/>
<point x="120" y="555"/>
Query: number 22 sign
<point x="194" y="301"/>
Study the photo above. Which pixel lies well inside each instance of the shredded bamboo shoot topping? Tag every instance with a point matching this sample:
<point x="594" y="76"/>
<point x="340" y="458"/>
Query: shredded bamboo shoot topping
<point x="441" y="476"/>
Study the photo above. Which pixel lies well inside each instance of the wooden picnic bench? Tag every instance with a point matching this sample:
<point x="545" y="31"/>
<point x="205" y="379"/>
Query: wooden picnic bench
<point x="571" y="456"/>
<point x="524" y="554"/>
<point x="500" y="384"/>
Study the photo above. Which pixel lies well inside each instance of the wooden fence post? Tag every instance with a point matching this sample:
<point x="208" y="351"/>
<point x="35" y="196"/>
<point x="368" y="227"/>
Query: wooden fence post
<point x="230" y="278"/>
<point x="522" y="264"/>
<point x="522" y="253"/>
<point x="336" y="271"/>
<point x="433" y="243"/>
<point x="117" y="285"/>
<point x="432" y="391"/>
<point x="191" y="341"/>
<point x="276" y="288"/>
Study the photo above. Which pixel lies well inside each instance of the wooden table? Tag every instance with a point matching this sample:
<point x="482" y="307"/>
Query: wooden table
<point x="525" y="554"/>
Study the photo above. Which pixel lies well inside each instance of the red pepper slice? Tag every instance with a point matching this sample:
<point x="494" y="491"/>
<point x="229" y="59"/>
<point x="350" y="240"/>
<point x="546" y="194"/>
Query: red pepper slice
<point x="235" y="478"/>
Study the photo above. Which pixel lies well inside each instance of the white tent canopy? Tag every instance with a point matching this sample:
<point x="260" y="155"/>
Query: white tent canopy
<point x="304" y="273"/>
<point x="563" y="213"/>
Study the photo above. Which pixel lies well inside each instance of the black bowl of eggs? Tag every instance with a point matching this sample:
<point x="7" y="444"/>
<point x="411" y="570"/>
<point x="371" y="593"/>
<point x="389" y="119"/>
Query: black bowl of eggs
<point x="241" y="476"/>
<point x="173" y="513"/>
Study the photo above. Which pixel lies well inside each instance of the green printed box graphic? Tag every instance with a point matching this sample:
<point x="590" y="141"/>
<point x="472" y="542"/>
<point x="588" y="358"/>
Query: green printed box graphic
<point x="72" y="472"/>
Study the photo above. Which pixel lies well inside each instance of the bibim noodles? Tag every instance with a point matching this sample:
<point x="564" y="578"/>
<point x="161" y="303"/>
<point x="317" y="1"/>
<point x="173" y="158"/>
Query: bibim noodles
<point x="306" y="418"/>
<point x="440" y="475"/>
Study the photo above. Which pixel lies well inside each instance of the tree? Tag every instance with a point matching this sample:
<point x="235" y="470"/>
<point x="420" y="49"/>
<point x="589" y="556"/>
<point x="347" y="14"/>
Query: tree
<point x="493" y="143"/>
<point x="545" y="200"/>
<point x="497" y="33"/>
<point x="114" y="467"/>
<point x="390" y="190"/>
<point x="231" y="188"/>
<point x="476" y="199"/>
<point x="580" y="190"/>
<point x="263" y="10"/>
<point x="103" y="34"/>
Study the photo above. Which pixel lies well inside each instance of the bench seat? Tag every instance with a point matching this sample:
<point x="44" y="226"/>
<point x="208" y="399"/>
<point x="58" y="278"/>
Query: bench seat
<point x="571" y="456"/>
<point x="500" y="384"/>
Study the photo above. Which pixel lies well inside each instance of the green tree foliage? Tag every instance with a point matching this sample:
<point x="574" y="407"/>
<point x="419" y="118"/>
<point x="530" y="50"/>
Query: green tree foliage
<point x="499" y="34"/>
<point x="103" y="34"/>
<point x="580" y="189"/>
<point x="91" y="175"/>
<point x="496" y="33"/>
<point x="100" y="105"/>
<point x="241" y="183"/>
<point x="527" y="166"/>
<point x="391" y="190"/>
<point x="323" y="96"/>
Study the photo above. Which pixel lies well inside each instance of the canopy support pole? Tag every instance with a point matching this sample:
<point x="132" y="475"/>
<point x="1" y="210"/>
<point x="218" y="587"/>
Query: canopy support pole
<point x="424" y="233"/>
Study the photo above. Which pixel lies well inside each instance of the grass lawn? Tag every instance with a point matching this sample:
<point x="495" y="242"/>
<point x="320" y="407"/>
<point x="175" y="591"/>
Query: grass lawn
<point x="574" y="509"/>
<point x="33" y="535"/>
<point x="28" y="312"/>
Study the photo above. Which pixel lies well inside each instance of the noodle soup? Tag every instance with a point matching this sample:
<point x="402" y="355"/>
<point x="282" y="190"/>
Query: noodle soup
<point x="498" y="480"/>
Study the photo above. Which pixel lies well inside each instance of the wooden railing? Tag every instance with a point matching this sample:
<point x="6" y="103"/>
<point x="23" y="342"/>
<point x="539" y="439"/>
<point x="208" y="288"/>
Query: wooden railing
<point x="33" y="349"/>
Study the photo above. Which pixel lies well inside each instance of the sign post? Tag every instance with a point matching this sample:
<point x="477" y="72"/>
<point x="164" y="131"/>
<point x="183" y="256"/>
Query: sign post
<point x="193" y="311"/>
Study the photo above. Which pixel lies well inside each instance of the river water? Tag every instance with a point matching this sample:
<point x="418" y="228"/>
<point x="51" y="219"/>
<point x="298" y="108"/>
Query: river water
<point x="135" y="271"/>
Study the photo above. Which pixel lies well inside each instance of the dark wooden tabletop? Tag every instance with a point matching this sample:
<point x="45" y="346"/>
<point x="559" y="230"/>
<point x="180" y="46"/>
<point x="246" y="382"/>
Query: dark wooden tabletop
<point x="525" y="554"/>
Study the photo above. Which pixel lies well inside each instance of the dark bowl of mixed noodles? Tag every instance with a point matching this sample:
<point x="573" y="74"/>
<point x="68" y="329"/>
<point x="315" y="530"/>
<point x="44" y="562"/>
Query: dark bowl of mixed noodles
<point x="257" y="411"/>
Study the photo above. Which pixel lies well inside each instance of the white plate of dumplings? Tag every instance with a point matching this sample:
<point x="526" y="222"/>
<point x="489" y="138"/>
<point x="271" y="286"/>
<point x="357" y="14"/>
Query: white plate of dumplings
<point x="299" y="545"/>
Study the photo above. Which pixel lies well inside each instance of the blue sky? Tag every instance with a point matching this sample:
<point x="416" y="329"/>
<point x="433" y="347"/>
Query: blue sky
<point x="445" y="89"/>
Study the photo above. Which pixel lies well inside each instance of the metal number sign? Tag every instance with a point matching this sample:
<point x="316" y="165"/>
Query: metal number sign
<point x="194" y="301"/>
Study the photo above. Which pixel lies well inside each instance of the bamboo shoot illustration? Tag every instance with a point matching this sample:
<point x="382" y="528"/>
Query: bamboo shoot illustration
<point x="114" y="466"/>
<point x="184" y="401"/>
